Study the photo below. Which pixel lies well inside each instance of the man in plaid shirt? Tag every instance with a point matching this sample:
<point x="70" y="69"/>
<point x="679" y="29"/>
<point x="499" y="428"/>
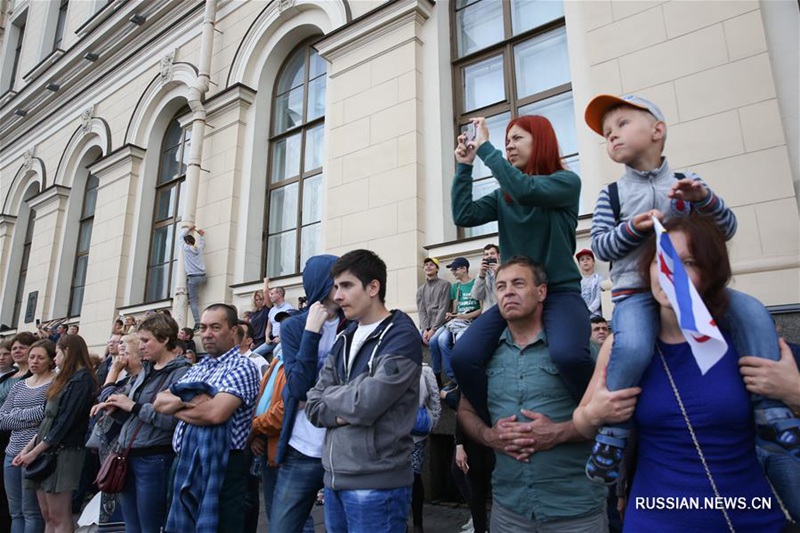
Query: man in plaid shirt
<point x="236" y="381"/>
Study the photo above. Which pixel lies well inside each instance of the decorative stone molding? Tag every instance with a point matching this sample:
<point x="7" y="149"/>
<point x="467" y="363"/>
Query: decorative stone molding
<point x="86" y="119"/>
<point x="245" y="67"/>
<point x="27" y="158"/>
<point x="166" y="66"/>
<point x="387" y="18"/>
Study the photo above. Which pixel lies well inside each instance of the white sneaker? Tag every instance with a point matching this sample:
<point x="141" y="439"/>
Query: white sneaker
<point x="468" y="527"/>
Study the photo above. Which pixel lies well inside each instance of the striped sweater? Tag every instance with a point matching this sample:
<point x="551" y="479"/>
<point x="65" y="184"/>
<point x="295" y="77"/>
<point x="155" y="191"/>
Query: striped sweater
<point x="618" y="241"/>
<point x="21" y="413"/>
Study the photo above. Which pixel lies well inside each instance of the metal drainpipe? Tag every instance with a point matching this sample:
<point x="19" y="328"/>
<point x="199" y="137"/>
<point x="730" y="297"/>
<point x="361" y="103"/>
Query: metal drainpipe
<point x="197" y="93"/>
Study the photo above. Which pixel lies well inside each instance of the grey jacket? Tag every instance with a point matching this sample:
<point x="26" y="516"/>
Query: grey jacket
<point x="157" y="428"/>
<point x="433" y="303"/>
<point x="483" y="290"/>
<point x="378" y="399"/>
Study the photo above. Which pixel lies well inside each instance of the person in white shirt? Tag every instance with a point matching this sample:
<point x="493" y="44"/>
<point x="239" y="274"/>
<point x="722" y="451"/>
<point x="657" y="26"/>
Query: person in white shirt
<point x="243" y="337"/>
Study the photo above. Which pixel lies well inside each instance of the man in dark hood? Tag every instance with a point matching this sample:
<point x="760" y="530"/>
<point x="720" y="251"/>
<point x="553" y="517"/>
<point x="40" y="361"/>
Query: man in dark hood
<point x="306" y="339"/>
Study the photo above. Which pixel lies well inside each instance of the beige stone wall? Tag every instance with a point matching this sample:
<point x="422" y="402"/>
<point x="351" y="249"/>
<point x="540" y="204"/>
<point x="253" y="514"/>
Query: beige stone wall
<point x="388" y="133"/>
<point x="706" y="64"/>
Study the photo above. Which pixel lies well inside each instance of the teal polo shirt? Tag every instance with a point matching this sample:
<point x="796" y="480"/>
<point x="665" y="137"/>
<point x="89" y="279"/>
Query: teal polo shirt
<point x="552" y="485"/>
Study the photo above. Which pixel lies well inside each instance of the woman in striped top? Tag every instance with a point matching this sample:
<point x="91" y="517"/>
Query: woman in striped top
<point x="22" y="413"/>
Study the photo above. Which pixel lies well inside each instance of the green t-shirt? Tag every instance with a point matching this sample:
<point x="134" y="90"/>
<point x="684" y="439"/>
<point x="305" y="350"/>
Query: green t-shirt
<point x="462" y="293"/>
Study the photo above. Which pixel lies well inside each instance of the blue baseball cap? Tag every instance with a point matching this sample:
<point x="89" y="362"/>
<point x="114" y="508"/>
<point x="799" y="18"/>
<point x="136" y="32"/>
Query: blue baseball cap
<point x="458" y="262"/>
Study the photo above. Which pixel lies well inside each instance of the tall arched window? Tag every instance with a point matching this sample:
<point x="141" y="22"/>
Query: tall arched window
<point x="294" y="195"/>
<point x="23" y="268"/>
<point x="167" y="212"/>
<point x="84" y="241"/>
<point x="511" y="59"/>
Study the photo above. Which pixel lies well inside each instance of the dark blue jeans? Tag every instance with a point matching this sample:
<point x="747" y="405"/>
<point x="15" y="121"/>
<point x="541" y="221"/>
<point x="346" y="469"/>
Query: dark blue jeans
<point x="144" y="497"/>
<point x="783" y="471"/>
<point x="367" y="511"/>
<point x="566" y="323"/>
<point x="299" y="480"/>
<point x="270" y="478"/>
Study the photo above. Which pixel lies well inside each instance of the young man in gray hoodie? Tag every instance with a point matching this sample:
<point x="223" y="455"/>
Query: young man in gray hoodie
<point x="367" y="397"/>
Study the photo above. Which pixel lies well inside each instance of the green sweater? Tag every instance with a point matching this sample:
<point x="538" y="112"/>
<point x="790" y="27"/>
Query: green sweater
<point x="539" y="222"/>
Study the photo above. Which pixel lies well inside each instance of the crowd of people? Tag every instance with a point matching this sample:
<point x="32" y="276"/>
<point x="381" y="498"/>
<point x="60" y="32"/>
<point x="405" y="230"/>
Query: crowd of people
<point x="331" y="401"/>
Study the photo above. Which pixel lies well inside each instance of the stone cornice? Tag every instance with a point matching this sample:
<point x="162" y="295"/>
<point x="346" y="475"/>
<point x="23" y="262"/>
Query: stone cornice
<point x="382" y="20"/>
<point x="126" y="155"/>
<point x="54" y="192"/>
<point x="237" y="96"/>
<point x="7" y="220"/>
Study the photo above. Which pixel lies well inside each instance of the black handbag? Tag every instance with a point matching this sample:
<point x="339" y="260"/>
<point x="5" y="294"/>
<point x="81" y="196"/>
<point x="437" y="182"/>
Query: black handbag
<point x="41" y="467"/>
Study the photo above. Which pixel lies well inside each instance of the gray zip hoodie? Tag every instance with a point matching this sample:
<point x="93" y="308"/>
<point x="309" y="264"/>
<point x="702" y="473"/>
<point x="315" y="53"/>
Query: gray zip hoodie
<point x="378" y="398"/>
<point x="157" y="427"/>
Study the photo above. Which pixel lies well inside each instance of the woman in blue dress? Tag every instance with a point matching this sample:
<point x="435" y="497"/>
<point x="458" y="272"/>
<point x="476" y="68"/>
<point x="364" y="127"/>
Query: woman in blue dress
<point x="706" y="478"/>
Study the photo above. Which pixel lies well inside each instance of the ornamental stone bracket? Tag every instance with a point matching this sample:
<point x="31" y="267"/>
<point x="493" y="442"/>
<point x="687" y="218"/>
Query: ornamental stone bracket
<point x="86" y="119"/>
<point x="167" y="67"/>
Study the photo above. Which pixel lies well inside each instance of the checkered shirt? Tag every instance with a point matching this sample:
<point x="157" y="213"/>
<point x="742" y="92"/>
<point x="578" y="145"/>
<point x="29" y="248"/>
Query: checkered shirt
<point x="234" y="374"/>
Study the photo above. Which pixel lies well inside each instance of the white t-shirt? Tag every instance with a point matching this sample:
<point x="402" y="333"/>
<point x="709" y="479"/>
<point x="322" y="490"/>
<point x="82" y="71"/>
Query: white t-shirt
<point x="362" y="332"/>
<point x="307" y="438"/>
<point x="261" y="363"/>
<point x="276" y="326"/>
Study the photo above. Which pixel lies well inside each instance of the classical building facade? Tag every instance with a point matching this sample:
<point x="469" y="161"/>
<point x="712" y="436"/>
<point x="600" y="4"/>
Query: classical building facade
<point x="292" y="127"/>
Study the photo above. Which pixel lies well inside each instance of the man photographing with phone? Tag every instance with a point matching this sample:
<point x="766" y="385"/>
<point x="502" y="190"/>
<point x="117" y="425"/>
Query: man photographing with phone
<point x="483" y="289"/>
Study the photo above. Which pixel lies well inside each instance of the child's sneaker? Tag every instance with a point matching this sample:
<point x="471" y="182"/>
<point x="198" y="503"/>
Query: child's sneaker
<point x="603" y="465"/>
<point x="778" y="425"/>
<point x="450" y="387"/>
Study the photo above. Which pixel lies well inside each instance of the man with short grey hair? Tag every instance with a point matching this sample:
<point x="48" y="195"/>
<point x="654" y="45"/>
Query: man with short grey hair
<point x="538" y="483"/>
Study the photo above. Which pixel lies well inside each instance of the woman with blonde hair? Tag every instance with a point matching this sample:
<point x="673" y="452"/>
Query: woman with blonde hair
<point x="260" y="314"/>
<point x="124" y="369"/>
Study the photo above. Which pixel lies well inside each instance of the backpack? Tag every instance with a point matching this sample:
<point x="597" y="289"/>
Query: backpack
<point x="613" y="196"/>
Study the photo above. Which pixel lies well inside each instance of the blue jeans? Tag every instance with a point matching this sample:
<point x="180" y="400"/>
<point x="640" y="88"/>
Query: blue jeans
<point x="636" y="323"/>
<point x="22" y="503"/>
<point x="298" y="481"/>
<point x="783" y="471"/>
<point x="441" y="345"/>
<point x="265" y="349"/>
<point x="144" y="496"/>
<point x="193" y="283"/>
<point x="367" y="511"/>
<point x="566" y="323"/>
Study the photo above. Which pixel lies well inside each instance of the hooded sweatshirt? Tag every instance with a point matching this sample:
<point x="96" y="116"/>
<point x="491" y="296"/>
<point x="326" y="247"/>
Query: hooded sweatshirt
<point x="301" y="348"/>
<point x="377" y="395"/>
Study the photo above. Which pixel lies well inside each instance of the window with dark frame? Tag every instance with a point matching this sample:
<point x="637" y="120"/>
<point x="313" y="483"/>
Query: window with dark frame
<point x="84" y="242"/>
<point x="167" y="212"/>
<point x="511" y="59"/>
<point x="17" y="54"/>
<point x="23" y="267"/>
<point x="292" y="227"/>
<point x="61" y="23"/>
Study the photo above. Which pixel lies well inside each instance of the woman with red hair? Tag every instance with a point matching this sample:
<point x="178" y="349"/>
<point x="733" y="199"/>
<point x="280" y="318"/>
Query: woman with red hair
<point x="536" y="208"/>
